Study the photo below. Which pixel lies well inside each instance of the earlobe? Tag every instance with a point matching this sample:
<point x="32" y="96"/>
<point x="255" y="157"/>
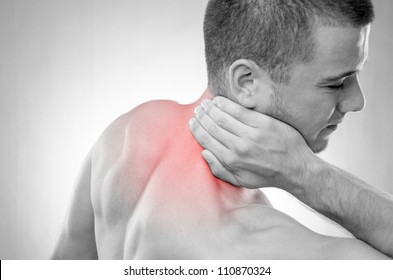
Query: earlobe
<point x="243" y="82"/>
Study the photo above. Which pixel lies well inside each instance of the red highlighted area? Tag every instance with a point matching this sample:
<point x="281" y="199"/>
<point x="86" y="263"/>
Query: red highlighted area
<point x="153" y="186"/>
<point x="154" y="197"/>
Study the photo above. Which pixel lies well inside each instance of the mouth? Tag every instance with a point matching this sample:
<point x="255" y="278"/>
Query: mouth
<point x="328" y="130"/>
<point x="332" y="127"/>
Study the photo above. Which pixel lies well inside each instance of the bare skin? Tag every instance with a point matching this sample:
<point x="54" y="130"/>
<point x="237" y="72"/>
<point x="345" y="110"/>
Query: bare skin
<point x="276" y="148"/>
<point x="145" y="192"/>
<point x="271" y="153"/>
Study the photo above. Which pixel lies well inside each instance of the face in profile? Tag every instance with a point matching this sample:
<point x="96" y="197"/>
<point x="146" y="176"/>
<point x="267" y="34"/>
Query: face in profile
<point x="320" y="92"/>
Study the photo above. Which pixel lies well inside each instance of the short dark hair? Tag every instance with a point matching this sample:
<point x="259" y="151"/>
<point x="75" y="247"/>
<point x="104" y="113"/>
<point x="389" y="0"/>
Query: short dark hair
<point x="273" y="33"/>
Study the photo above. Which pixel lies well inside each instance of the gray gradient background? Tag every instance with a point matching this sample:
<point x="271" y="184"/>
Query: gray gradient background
<point x="68" y="68"/>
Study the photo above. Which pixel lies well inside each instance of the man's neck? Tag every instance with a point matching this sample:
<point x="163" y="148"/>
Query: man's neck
<point x="207" y="94"/>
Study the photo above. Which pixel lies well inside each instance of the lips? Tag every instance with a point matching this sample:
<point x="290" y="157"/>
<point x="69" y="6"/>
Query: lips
<point x="334" y="124"/>
<point x="332" y="127"/>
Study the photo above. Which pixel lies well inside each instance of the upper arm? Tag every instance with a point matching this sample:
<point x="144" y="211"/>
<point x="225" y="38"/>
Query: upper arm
<point x="351" y="248"/>
<point x="299" y="242"/>
<point x="77" y="239"/>
<point x="336" y="248"/>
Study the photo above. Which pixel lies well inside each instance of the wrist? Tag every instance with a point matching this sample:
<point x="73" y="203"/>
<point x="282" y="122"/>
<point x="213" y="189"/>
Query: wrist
<point x="319" y="188"/>
<point x="301" y="177"/>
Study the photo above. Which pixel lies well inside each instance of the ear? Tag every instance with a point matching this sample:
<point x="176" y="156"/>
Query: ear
<point x="248" y="82"/>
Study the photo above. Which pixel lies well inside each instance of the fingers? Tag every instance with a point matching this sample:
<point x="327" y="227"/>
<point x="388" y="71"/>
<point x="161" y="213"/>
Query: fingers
<point x="244" y="115"/>
<point x="218" y="169"/>
<point x="211" y="144"/>
<point x="205" y="139"/>
<point x="221" y="125"/>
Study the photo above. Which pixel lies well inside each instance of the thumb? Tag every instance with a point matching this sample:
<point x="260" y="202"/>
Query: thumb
<point x="218" y="169"/>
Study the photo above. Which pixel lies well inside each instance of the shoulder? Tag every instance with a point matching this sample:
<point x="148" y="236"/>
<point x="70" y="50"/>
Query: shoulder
<point x="145" y="115"/>
<point x="150" y="124"/>
<point x="144" y="128"/>
<point x="153" y="112"/>
<point x="154" y="118"/>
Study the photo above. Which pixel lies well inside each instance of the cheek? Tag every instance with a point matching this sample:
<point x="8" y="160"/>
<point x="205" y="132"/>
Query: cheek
<point x="307" y="110"/>
<point x="309" y="118"/>
<point x="267" y="104"/>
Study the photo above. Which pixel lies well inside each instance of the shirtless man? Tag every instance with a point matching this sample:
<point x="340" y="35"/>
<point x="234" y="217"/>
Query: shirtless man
<point x="146" y="193"/>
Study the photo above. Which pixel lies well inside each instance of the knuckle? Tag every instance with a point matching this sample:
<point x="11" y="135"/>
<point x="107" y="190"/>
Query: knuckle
<point x="256" y="136"/>
<point x="204" y="140"/>
<point x="237" y="113"/>
<point x="216" y="170"/>
<point x="222" y="122"/>
<point x="229" y="161"/>
<point x="241" y="148"/>
<point x="212" y="129"/>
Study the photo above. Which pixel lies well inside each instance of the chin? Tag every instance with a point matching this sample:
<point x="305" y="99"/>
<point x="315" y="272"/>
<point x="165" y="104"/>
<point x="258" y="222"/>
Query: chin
<point x="319" y="146"/>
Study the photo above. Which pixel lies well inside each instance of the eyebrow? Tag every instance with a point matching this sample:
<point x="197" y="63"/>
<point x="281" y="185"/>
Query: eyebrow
<point x="344" y="75"/>
<point x="338" y="77"/>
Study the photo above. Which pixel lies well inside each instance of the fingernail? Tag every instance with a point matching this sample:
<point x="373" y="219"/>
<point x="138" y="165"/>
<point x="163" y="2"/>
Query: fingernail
<point x="206" y="157"/>
<point x="197" y="110"/>
<point x="216" y="101"/>
<point x="205" y="103"/>
<point x="191" y="122"/>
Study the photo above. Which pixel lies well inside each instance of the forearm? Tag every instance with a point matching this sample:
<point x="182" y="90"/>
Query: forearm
<point x="365" y="211"/>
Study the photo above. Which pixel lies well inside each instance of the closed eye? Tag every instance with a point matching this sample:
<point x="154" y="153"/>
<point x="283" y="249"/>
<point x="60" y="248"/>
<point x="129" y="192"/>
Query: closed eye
<point x="336" y="87"/>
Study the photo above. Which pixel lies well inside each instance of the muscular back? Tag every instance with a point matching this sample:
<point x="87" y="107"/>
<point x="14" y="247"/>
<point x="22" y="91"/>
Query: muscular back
<point x="153" y="197"/>
<point x="150" y="185"/>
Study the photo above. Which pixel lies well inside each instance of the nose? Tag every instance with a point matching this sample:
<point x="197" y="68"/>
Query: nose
<point x="353" y="99"/>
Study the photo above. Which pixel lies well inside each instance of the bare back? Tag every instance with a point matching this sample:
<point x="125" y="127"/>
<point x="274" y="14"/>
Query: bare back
<point x="152" y="189"/>
<point x="154" y="197"/>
